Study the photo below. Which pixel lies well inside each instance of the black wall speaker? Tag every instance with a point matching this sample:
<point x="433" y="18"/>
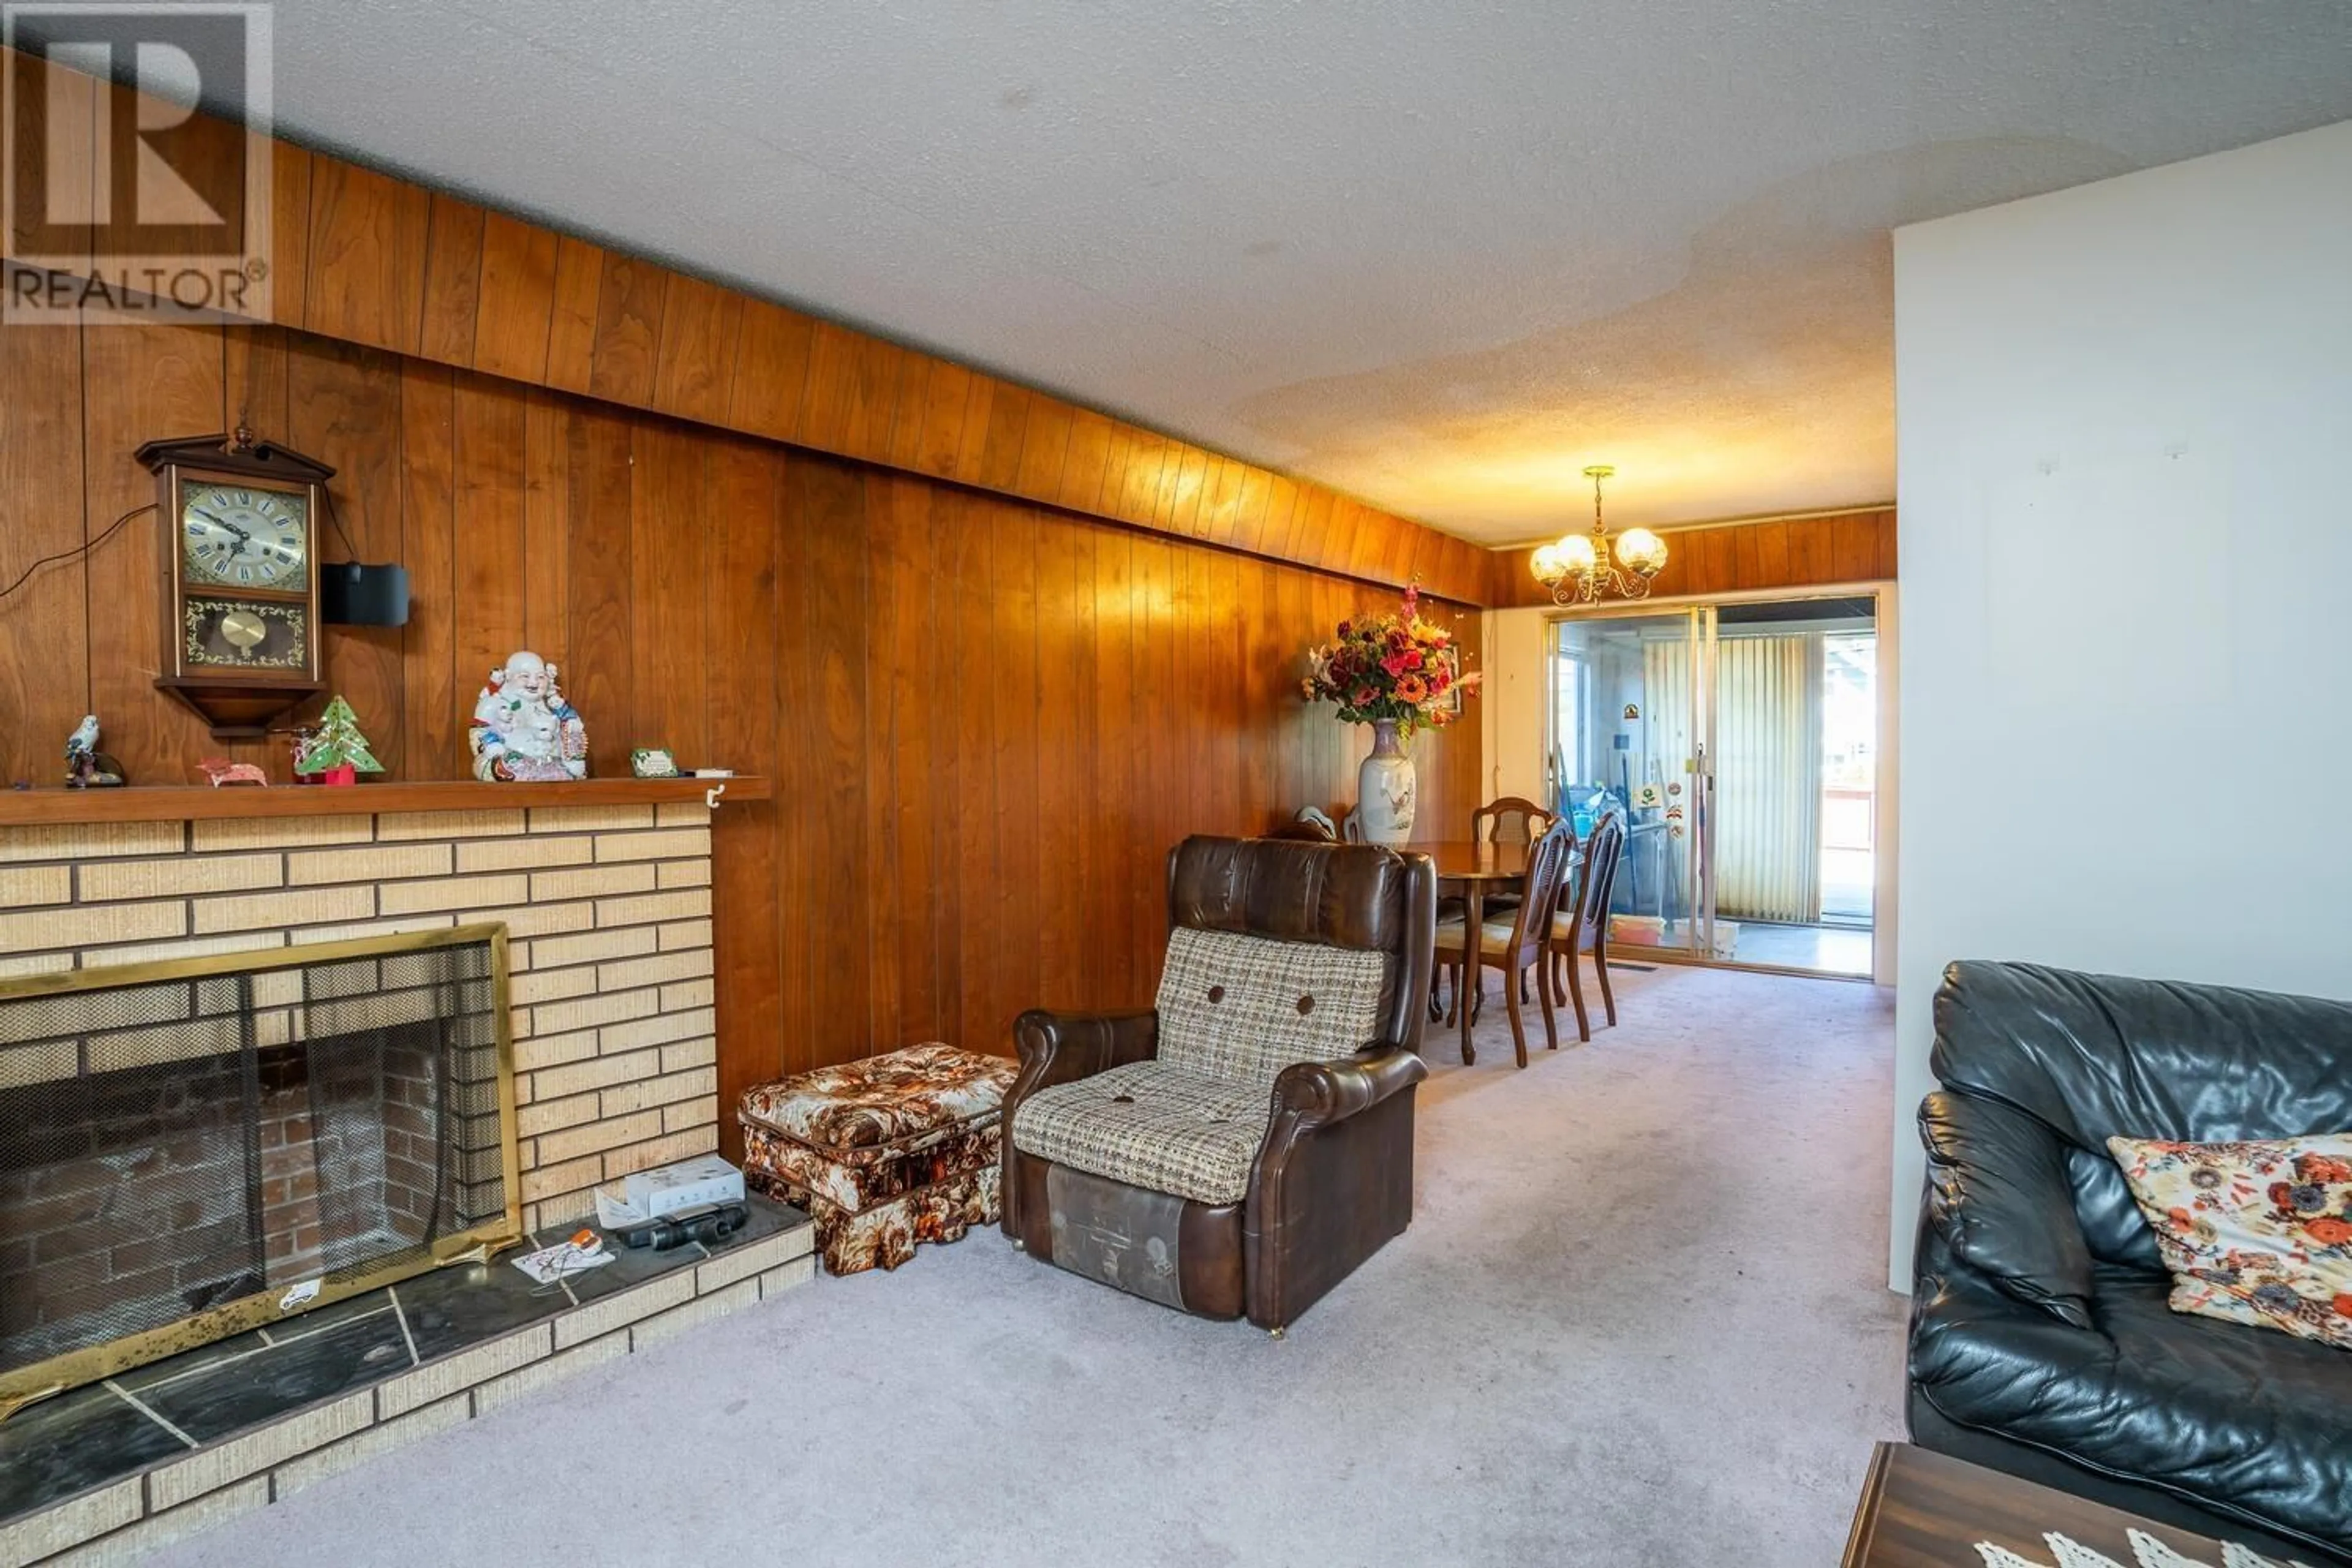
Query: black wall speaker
<point x="350" y="595"/>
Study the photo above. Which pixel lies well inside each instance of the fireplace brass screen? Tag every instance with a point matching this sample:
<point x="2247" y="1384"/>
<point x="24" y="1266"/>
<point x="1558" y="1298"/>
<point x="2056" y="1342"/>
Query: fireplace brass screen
<point x="192" y="1148"/>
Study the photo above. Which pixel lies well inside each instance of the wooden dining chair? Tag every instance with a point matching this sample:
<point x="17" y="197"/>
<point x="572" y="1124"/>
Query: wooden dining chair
<point x="1515" y="945"/>
<point x="1510" y="819"/>
<point x="1582" y="923"/>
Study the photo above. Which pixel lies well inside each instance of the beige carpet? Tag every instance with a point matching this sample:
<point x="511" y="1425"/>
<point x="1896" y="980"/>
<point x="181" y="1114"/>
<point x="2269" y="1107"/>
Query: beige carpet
<point x="1640" y="1318"/>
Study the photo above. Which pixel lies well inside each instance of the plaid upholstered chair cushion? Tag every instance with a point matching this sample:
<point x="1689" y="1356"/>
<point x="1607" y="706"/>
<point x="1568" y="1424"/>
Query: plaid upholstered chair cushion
<point x="1240" y="1008"/>
<point x="1150" y="1125"/>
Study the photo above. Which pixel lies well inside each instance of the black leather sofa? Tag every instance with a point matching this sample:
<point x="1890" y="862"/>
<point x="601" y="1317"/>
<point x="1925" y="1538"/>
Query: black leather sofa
<point x="2041" y="1343"/>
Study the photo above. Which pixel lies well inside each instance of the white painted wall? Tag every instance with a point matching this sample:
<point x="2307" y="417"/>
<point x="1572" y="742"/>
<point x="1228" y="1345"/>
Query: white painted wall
<point x="2125" y="432"/>
<point x="1513" y="736"/>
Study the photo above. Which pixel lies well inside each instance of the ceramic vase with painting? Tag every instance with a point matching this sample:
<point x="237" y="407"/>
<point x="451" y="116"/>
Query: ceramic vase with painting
<point x="1385" y="788"/>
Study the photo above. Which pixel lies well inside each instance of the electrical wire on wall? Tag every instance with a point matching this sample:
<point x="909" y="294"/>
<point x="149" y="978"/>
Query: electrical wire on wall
<point x="78" y="552"/>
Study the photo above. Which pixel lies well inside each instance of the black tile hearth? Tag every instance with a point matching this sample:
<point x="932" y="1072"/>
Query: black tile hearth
<point x="90" y="1437"/>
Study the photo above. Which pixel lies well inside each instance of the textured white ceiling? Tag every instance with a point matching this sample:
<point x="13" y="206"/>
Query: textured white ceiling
<point x="1439" y="255"/>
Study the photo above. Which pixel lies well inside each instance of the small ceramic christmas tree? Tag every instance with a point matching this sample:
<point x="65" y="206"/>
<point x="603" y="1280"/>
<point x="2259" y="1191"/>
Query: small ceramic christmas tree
<point x="336" y="748"/>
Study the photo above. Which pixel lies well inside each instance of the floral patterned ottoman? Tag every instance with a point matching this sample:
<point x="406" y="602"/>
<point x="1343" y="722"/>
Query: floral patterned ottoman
<point x="883" y="1152"/>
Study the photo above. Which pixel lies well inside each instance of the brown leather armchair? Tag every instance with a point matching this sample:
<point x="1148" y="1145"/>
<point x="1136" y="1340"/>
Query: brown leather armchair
<point x="1242" y="1146"/>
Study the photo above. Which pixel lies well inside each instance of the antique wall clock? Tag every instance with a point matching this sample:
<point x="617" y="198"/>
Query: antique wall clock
<point x="240" y="576"/>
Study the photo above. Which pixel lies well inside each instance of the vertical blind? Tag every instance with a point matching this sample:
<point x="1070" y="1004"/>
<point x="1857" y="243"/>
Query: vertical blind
<point x="1768" y="812"/>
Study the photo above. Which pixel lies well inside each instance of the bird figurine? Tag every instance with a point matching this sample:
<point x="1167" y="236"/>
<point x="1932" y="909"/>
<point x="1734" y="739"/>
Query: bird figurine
<point x="87" y="767"/>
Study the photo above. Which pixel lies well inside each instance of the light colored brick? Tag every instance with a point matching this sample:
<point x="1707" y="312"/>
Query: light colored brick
<point x="587" y="1012"/>
<point x="591" y="882"/>
<point x="181" y="876"/>
<point x="686" y="1054"/>
<point x="552" y="984"/>
<point x="703" y="1310"/>
<point x="681" y="814"/>
<point x="240" y="1456"/>
<point x="561" y="1211"/>
<point x="377" y="863"/>
<point x="278" y="832"/>
<point x="542" y="1052"/>
<point x="529" y="854"/>
<point x="91" y="925"/>
<point x="595" y="1137"/>
<point x="91" y="840"/>
<point x="627" y="943"/>
<point x="686" y="904"/>
<point x="437" y="1380"/>
<point x="604" y="1314"/>
<point x="598" y="1072"/>
<point x="590" y="819"/>
<point x="543" y="1116"/>
<point x="191" y="947"/>
<point x="373" y="928"/>
<point x="659" y="1029"/>
<point x="534" y="920"/>
<point x="306" y="906"/>
<point x="36" y="1536"/>
<point x="624" y="974"/>
<point x="36" y="885"/>
<point x="744" y="1259"/>
<point x="690" y="1113"/>
<point x="682" y="874"/>
<point x="665" y="1150"/>
<point x="17" y="967"/>
<point x="426" y="1422"/>
<point x="157" y="1530"/>
<point x="623" y="1098"/>
<point x="581" y="1356"/>
<point x="402" y="825"/>
<point x="685" y="933"/>
<point x="672" y="844"/>
<point x="791" y="1277"/>
<point x="452" y="893"/>
<point x="688" y="993"/>
<point x="543" y="1182"/>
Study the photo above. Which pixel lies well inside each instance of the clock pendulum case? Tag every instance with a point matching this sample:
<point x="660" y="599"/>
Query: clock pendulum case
<point x="240" y="588"/>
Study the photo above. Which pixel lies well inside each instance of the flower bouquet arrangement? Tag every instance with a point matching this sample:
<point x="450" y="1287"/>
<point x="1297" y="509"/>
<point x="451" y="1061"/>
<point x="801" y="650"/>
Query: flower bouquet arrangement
<point x="1395" y="669"/>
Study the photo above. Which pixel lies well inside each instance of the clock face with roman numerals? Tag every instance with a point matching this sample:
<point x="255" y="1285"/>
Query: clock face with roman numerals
<point x="245" y="536"/>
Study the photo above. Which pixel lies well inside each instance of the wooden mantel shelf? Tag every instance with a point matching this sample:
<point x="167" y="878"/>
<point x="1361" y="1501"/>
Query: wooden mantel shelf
<point x="190" y="803"/>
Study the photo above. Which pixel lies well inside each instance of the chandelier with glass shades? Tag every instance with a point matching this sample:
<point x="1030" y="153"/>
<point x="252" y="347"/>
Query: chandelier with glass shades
<point x="1577" y="568"/>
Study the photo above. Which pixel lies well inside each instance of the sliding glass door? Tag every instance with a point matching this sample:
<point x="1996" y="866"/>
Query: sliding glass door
<point x="1738" y="740"/>
<point x="1626" y="724"/>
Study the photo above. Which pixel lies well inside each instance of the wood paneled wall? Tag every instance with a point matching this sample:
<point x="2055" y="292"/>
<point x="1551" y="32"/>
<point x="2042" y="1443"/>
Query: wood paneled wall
<point x="366" y="259"/>
<point x="1777" y="552"/>
<point x="987" y="720"/>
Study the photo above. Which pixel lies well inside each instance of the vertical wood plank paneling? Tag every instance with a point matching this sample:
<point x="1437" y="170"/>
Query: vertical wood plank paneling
<point x="433" y="723"/>
<point x="289" y="227"/>
<point x="572" y="314"/>
<point x="946" y="399"/>
<point x="972" y="802"/>
<point x="149" y="381"/>
<point x="740" y="593"/>
<point x="366" y="255"/>
<point x="770" y="379"/>
<point x="1008" y="422"/>
<point x="1045" y="444"/>
<point x="870" y="403"/>
<point x="346" y="400"/>
<point x="1079" y="485"/>
<point x="628" y="330"/>
<point x="600" y="675"/>
<point x="547" y="528"/>
<point x="885" y="769"/>
<point x="517" y="299"/>
<point x="1016" y="913"/>
<point x="489" y="555"/>
<point x="452" y="281"/>
<point x="1113" y="786"/>
<point x="669" y="512"/>
<point x="832" y="551"/>
<point x="798" y="759"/>
<point x="693" y="370"/>
<point x="45" y="670"/>
<point x="1062" y="757"/>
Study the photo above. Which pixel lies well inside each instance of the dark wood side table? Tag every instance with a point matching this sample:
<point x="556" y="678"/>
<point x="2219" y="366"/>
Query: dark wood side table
<point x="1923" y="1509"/>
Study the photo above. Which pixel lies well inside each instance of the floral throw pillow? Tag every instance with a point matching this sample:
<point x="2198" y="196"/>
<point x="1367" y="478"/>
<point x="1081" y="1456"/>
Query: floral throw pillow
<point x="2258" y="1233"/>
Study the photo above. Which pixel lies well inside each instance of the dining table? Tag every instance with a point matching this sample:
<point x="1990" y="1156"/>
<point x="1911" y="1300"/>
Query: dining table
<point x="1471" y="869"/>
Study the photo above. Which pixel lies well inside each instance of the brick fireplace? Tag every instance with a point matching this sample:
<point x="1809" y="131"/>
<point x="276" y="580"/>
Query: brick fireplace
<point x="607" y="908"/>
<point x="604" y="890"/>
